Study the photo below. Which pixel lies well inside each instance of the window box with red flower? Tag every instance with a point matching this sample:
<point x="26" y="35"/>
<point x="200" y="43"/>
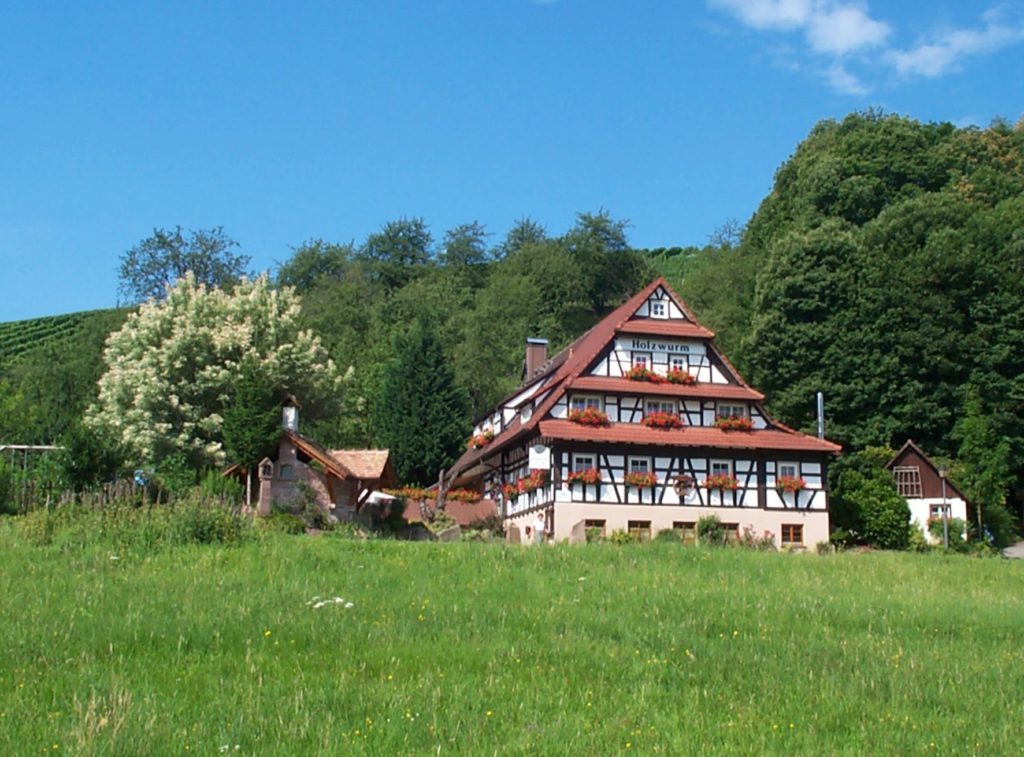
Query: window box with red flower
<point x="734" y="423"/>
<point x="660" y="419"/>
<point x="590" y="416"/>
<point x="790" y="484"/>
<point x="643" y="373"/>
<point x="723" y="482"/>
<point x="479" y="441"/>
<point x="679" y="376"/>
<point x="463" y="495"/>
<point x="641" y="480"/>
<point x="535" y="480"/>
<point x="584" y="476"/>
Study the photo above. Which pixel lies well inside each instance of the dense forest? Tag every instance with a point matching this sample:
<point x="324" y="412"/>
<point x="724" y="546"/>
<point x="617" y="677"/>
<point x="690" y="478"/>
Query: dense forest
<point x="885" y="268"/>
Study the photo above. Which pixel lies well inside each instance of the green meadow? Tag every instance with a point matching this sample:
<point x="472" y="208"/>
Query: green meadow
<point x="477" y="648"/>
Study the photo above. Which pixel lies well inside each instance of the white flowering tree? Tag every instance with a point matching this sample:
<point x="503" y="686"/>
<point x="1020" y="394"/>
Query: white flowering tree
<point x="173" y="366"/>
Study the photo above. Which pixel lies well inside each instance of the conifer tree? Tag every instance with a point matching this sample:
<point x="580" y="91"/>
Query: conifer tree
<point x="420" y="412"/>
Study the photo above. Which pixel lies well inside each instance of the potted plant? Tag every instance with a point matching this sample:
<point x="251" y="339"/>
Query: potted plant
<point x="590" y="416"/>
<point x="585" y="476"/>
<point x="722" y="482"/>
<point x="535" y="480"/>
<point x="479" y="441"/>
<point x="679" y="376"/>
<point x="663" y="420"/>
<point x="641" y="480"/>
<point x="790" y="484"/>
<point x="734" y="423"/>
<point x="643" y="373"/>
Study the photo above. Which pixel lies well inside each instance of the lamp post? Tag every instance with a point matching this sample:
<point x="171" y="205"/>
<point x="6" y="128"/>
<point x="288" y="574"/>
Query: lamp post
<point x="943" y="472"/>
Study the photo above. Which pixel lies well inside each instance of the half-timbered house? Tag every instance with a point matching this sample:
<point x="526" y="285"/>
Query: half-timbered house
<point x="642" y="425"/>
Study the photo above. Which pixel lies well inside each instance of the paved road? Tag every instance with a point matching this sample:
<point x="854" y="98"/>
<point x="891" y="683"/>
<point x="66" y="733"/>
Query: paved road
<point x="1017" y="550"/>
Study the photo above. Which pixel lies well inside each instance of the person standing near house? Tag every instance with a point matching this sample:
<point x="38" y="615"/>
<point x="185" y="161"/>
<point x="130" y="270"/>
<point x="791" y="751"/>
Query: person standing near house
<point x="539" y="528"/>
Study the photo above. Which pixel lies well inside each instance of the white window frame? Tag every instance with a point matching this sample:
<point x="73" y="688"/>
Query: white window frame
<point x="583" y="401"/>
<point x="644" y="359"/>
<point x="578" y="457"/>
<point x="679" y="363"/>
<point x="713" y="463"/>
<point x="660" y="405"/>
<point x="646" y="461"/>
<point x="728" y="410"/>
<point x="781" y="473"/>
<point x="656" y="304"/>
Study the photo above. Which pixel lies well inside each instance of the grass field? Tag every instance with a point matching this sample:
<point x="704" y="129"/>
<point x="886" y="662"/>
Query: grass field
<point x="480" y="649"/>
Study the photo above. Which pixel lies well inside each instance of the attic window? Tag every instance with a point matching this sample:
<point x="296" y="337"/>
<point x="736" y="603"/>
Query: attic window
<point x="659" y="309"/>
<point x="908" y="480"/>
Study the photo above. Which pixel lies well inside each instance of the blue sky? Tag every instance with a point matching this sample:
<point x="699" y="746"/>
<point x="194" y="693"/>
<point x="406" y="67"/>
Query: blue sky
<point x="283" y="125"/>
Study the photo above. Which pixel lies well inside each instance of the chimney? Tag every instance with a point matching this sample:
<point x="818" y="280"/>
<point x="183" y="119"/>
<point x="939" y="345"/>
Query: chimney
<point x="290" y="414"/>
<point x="536" y="355"/>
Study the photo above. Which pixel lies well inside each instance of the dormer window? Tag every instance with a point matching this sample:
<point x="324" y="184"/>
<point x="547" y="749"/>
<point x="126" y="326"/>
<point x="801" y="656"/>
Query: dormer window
<point x="642" y="360"/>
<point x="731" y="411"/>
<point x="659" y="309"/>
<point x="585" y="401"/>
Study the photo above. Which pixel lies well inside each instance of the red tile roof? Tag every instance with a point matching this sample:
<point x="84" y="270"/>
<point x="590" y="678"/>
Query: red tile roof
<point x="634" y="433"/>
<point x="625" y="386"/>
<point x="665" y="328"/>
<point x="465" y="513"/>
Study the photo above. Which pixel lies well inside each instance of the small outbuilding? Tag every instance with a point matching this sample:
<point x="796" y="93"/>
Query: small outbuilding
<point x="926" y="488"/>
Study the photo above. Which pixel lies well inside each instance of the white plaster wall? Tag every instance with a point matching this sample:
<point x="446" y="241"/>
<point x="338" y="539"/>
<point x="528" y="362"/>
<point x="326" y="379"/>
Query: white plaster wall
<point x="920" y="511"/>
<point x="616" y="517"/>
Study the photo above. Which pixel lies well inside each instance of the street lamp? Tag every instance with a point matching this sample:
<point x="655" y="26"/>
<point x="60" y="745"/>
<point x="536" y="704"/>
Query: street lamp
<point x="943" y="472"/>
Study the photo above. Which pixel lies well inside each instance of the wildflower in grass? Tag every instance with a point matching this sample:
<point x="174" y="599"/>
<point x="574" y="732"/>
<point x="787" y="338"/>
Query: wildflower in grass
<point x="267" y="633"/>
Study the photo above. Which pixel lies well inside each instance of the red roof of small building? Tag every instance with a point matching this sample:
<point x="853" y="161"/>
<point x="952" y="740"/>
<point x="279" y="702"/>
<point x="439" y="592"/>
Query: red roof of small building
<point x="465" y="513"/>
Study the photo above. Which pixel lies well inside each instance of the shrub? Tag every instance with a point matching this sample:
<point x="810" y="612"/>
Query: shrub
<point x="595" y="533"/>
<point x="668" y="536"/>
<point x="765" y="542"/>
<point x="955" y="526"/>
<point x="215" y="485"/>
<point x="711" y="531"/>
<point x="282" y="523"/>
<point x="618" y="536"/>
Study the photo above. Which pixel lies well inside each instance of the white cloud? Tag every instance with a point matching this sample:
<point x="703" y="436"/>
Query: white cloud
<point x="843" y="81"/>
<point x="839" y="34"/>
<point x="943" y="54"/>
<point x="843" y="29"/>
<point x="829" y="26"/>
<point x="768" y="14"/>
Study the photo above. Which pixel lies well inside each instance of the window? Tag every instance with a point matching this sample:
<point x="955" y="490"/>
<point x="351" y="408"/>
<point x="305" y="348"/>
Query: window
<point x="732" y="532"/>
<point x="582" y="462"/>
<point x="583" y="401"/>
<point x="908" y="480"/>
<point x="788" y="470"/>
<point x="642" y="360"/>
<point x="287" y="472"/>
<point x="684" y="526"/>
<point x="730" y="411"/>
<point x="639" y="465"/>
<point x="935" y="511"/>
<point x="659" y="309"/>
<point x="721" y="468"/>
<point x="660" y="406"/>
<point x="640" y="529"/>
<point x="792" y="533"/>
<point x="594" y="523"/>
<point x="679" y="363"/>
